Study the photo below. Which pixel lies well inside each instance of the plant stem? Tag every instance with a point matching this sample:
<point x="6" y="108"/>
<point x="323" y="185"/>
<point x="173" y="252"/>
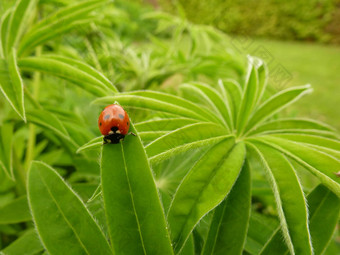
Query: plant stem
<point x="31" y="127"/>
<point x="21" y="175"/>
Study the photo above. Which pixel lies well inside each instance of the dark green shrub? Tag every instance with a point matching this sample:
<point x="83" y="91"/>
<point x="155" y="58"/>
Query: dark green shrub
<point x="294" y="20"/>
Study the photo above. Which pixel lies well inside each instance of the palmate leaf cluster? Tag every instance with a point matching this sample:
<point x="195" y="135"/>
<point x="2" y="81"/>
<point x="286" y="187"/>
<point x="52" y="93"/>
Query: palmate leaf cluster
<point x="214" y="168"/>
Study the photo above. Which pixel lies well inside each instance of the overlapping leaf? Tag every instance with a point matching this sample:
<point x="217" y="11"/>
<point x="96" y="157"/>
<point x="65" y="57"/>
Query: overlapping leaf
<point x="291" y="204"/>
<point x="59" y="214"/>
<point x="92" y="144"/>
<point x="18" y="19"/>
<point x="3" y="32"/>
<point x="11" y="84"/>
<point x="321" y="164"/>
<point x="71" y="70"/>
<point x="260" y="230"/>
<point x="28" y="244"/>
<point x="277" y="103"/>
<point x="203" y="188"/>
<point x="182" y="139"/>
<point x="51" y="122"/>
<point x="6" y="147"/>
<point x="324" y="210"/>
<point x="232" y="94"/>
<point x="294" y="126"/>
<point x="229" y="225"/>
<point x="248" y="101"/>
<point x="328" y="145"/>
<point x="211" y="98"/>
<point x="58" y="23"/>
<point x="163" y="102"/>
<point x="15" y="211"/>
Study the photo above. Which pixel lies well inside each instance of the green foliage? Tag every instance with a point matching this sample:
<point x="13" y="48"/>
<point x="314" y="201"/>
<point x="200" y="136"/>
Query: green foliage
<point x="213" y="168"/>
<point x="294" y="20"/>
<point x="57" y="24"/>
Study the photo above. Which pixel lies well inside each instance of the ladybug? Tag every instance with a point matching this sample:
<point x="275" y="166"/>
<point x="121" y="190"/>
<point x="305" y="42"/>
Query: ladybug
<point x="114" y="123"/>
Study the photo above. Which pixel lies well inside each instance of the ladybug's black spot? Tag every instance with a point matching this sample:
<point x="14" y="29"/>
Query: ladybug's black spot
<point x="127" y="123"/>
<point x="107" y="116"/>
<point x="121" y="116"/>
<point x="100" y="124"/>
<point x="114" y="129"/>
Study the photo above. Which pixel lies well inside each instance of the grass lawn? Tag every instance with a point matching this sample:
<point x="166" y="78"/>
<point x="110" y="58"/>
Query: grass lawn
<point x="318" y="65"/>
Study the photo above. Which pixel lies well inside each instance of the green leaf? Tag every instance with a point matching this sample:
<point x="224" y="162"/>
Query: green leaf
<point x="3" y="32"/>
<point x="15" y="211"/>
<point x="211" y="98"/>
<point x="73" y="71"/>
<point x="150" y="136"/>
<point x="86" y="191"/>
<point x="6" y="149"/>
<point x="247" y="103"/>
<point x="276" y="103"/>
<point x="96" y="207"/>
<point x="58" y="23"/>
<point x="262" y="71"/>
<point x="133" y="210"/>
<point x="59" y="214"/>
<point x="228" y="229"/>
<point x="203" y="188"/>
<point x="102" y="80"/>
<point x="189" y="247"/>
<point x="317" y="162"/>
<point x="159" y="101"/>
<point x="260" y="229"/>
<point x="11" y="84"/>
<point x="28" y="244"/>
<point x="275" y="244"/>
<point x="292" y="125"/>
<point x="290" y="200"/>
<point x="327" y="145"/>
<point x="324" y="208"/>
<point x="232" y="94"/>
<point x="182" y="139"/>
<point x="49" y="121"/>
<point x="18" y="20"/>
<point x="169" y="173"/>
<point x="92" y="144"/>
<point x="167" y="124"/>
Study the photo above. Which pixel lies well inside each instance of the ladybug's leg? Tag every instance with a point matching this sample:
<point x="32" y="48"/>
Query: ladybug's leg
<point x="130" y="133"/>
<point x="107" y="139"/>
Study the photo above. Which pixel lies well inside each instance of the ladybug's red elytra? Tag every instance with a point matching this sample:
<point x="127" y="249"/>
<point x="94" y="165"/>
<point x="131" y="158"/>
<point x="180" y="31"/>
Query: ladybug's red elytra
<point x="113" y="123"/>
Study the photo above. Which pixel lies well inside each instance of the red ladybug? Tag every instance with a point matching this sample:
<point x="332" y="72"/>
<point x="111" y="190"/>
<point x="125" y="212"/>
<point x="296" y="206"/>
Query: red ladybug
<point x="113" y="123"/>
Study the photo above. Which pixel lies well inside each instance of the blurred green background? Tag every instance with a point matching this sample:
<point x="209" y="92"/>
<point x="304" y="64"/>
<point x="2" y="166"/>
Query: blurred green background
<point x="301" y="38"/>
<point x="308" y="20"/>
